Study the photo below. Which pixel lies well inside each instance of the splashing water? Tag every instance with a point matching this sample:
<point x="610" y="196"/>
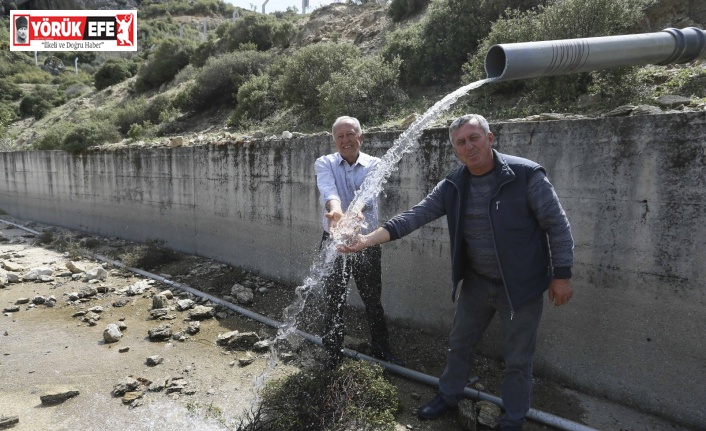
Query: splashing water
<point x="350" y="223"/>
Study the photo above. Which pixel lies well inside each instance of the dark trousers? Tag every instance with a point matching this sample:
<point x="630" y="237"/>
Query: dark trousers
<point x="365" y="267"/>
<point x="478" y="301"/>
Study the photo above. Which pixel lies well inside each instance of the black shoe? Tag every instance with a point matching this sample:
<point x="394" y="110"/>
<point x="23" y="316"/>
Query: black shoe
<point x="387" y="356"/>
<point x="434" y="408"/>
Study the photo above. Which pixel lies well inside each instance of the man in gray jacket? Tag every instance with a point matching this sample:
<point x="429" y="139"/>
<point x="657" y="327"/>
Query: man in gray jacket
<point x="503" y="218"/>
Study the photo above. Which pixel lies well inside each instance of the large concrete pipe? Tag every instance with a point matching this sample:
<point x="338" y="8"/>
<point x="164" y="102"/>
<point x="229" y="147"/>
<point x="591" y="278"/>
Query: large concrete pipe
<point x="525" y="60"/>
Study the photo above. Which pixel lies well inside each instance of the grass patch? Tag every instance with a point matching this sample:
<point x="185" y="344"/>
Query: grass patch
<point x="355" y="396"/>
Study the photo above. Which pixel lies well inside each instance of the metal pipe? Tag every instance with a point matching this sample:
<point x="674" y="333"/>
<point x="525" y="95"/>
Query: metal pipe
<point x="533" y="414"/>
<point x="525" y="60"/>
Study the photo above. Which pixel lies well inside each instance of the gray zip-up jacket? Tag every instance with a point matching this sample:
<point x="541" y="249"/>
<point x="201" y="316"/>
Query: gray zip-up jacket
<point x="526" y="222"/>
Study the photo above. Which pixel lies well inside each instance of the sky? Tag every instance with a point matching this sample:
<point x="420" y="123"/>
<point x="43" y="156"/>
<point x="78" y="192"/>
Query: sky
<point x="281" y="5"/>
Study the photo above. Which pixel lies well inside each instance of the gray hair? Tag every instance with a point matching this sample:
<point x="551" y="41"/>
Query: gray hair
<point x="479" y="120"/>
<point x="346" y="119"/>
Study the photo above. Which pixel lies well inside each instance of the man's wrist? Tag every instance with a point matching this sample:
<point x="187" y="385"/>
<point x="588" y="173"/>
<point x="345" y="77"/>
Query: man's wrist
<point x="562" y="272"/>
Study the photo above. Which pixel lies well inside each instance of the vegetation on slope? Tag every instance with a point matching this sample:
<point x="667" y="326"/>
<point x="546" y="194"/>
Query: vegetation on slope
<point x="247" y="74"/>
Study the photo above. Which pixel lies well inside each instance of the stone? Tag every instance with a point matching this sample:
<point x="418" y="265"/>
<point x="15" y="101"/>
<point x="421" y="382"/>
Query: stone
<point x="488" y="414"/>
<point x="160" y="333"/>
<point x="36" y="273"/>
<point x="201" y="312"/>
<point x="193" y="328"/>
<point x="129" y="397"/>
<point x="12" y="266"/>
<point x="57" y="396"/>
<point x="137" y="288"/>
<point x="8" y="421"/>
<point x="97" y="273"/>
<point x="112" y="333"/>
<point x="127" y="385"/>
<point x="244" y="362"/>
<point x="75" y="269"/>
<point x="176" y="141"/>
<point x="159" y="312"/>
<point x="467" y="415"/>
<point x="154" y="360"/>
<point x="21" y="301"/>
<point x="620" y="111"/>
<point x="672" y="101"/>
<point x="121" y="302"/>
<point x="242" y="294"/>
<point x="262" y="346"/>
<point x="87" y="292"/>
<point x="646" y="110"/>
<point x="159" y="301"/>
<point x="184" y="304"/>
<point x="243" y="341"/>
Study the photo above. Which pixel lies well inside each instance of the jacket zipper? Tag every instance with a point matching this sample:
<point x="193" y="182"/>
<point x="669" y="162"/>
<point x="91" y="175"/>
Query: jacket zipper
<point x="492" y="230"/>
<point x="453" y="251"/>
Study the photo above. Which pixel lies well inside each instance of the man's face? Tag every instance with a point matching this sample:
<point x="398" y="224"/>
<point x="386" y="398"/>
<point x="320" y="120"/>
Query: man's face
<point x="22" y="33"/>
<point x="347" y="141"/>
<point x="474" y="148"/>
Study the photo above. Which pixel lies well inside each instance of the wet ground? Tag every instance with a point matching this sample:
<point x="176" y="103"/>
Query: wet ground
<point x="42" y="348"/>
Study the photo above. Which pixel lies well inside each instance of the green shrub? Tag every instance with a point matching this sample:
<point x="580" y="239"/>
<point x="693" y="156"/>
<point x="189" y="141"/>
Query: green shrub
<point x="138" y="111"/>
<point x="150" y="32"/>
<point x="435" y="49"/>
<point x="9" y="90"/>
<point x="366" y="91"/>
<point x="7" y="116"/>
<point x="113" y="71"/>
<point x="170" y="56"/>
<point x="255" y="100"/>
<point x="221" y="77"/>
<point x="52" y="139"/>
<point x="494" y="9"/>
<point x="401" y="9"/>
<point x="87" y="134"/>
<point x="40" y="101"/>
<point x="255" y="28"/>
<point x="309" y="68"/>
<point x="355" y="396"/>
<point x="138" y="131"/>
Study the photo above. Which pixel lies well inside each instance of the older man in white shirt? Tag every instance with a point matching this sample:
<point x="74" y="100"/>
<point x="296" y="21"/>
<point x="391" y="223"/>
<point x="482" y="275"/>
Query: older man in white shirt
<point x="338" y="176"/>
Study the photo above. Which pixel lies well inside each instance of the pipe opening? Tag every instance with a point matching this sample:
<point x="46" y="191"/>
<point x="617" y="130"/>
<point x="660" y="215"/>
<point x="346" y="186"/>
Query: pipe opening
<point x="495" y="62"/>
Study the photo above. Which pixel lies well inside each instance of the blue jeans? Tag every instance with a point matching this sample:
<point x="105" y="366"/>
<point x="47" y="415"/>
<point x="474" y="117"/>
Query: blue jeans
<point x="478" y="301"/>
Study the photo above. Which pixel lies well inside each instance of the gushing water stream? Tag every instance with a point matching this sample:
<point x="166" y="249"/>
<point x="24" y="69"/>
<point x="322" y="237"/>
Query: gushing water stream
<point x="372" y="186"/>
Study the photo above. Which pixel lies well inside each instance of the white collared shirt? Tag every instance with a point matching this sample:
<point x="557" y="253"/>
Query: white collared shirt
<point x="336" y="179"/>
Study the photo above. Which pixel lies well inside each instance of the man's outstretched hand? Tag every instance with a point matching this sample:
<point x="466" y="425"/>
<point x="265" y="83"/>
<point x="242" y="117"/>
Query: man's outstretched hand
<point x="560" y="291"/>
